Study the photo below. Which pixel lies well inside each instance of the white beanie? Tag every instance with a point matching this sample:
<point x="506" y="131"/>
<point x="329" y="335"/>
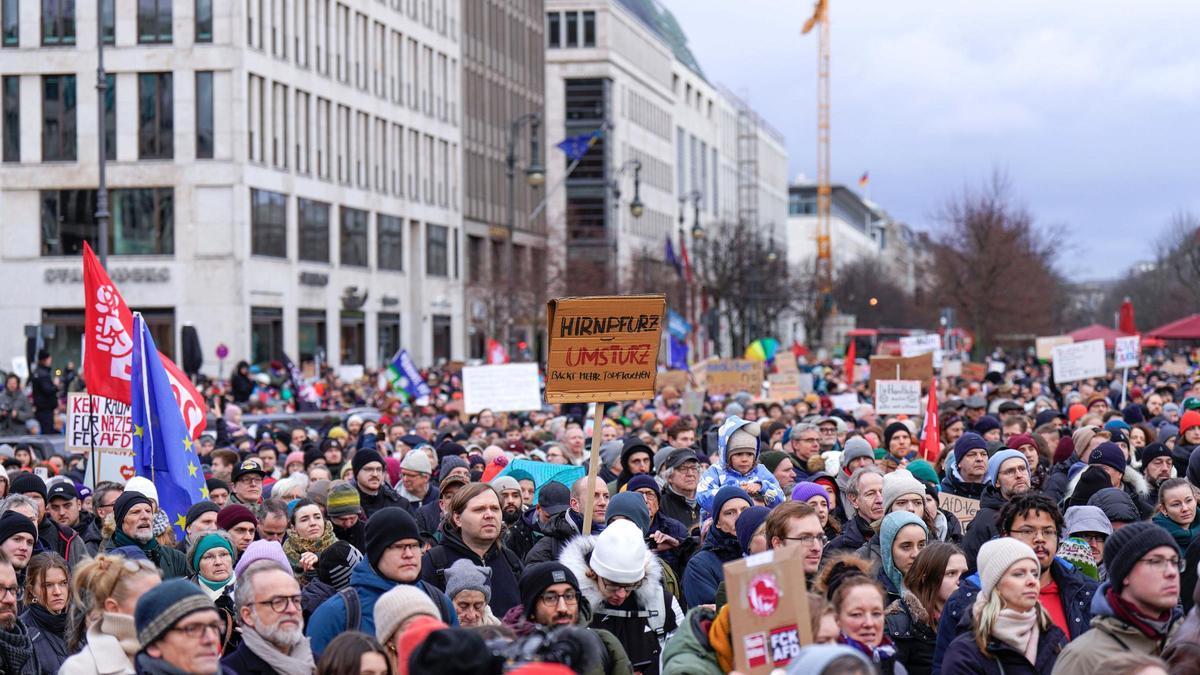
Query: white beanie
<point x="996" y="556"/>
<point x="143" y="486"/>
<point x="417" y="461"/>
<point x="399" y="605"/>
<point x="744" y="437"/>
<point x="899" y="483"/>
<point x="620" y="553"/>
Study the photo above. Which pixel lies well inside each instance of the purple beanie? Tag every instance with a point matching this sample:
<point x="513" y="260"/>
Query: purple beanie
<point x="262" y="550"/>
<point x="806" y="491"/>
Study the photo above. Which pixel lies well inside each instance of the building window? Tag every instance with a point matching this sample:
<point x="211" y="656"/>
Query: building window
<point x="204" y="114"/>
<point x="10" y="23"/>
<point x="314" y="230"/>
<point x="143" y="221"/>
<point x="353" y="237"/>
<point x="354" y="337"/>
<point x="443" y="333"/>
<point x="475" y="259"/>
<point x="572" y="29"/>
<point x="204" y="21"/>
<point x="110" y="117"/>
<point x="389" y="336"/>
<point x="154" y="21"/>
<point x="58" y="23"/>
<point x="553" y="30"/>
<point x="156" y="120"/>
<point x="268" y="223"/>
<point x="312" y="335"/>
<point x="58" y="118"/>
<point x="589" y="29"/>
<point x="108" y="19"/>
<point x="12" y="118"/>
<point x="389" y="237"/>
<point x="266" y="334"/>
<point x="437" y="250"/>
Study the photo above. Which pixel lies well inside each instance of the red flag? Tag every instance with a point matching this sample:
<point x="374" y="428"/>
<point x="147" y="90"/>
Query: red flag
<point x="496" y="352"/>
<point x="109" y="347"/>
<point x="1126" y="324"/>
<point x="931" y="433"/>
<point x="849" y="367"/>
<point x="687" y="264"/>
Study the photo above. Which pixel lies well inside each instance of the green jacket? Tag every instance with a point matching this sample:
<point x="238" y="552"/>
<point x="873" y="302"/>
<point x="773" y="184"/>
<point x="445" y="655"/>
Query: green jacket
<point x="174" y="565"/>
<point x="688" y="651"/>
<point x="1108" y="637"/>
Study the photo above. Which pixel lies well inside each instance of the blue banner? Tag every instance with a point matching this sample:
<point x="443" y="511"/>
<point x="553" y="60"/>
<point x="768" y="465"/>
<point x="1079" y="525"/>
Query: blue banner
<point x="405" y="376"/>
<point x="677" y="326"/>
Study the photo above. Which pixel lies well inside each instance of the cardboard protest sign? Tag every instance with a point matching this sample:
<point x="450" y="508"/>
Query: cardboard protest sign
<point x="974" y="372"/>
<point x="1127" y="351"/>
<point x="1079" y="361"/>
<point x="1044" y="346"/>
<point x="729" y="376"/>
<point x="113" y="465"/>
<point x="511" y="387"/>
<point x="952" y="368"/>
<point x="898" y="397"/>
<point x="807" y="386"/>
<point x="847" y="402"/>
<point x="98" y="422"/>
<point x="693" y="403"/>
<point x="785" y="386"/>
<point x="672" y="378"/>
<point x="603" y="348"/>
<point x="1176" y="367"/>
<point x="962" y="508"/>
<point x="901" y="368"/>
<point x="768" y="609"/>
<point x="915" y="345"/>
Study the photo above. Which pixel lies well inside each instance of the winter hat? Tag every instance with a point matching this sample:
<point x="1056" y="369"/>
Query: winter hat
<point x="966" y="443"/>
<point x="343" y="500"/>
<point x="725" y="494"/>
<point x="1065" y="450"/>
<point x="335" y="563"/>
<point x="13" y="523"/>
<point x="208" y="542"/>
<point x="1085" y="518"/>
<point x="891" y="430"/>
<point x="994" y="462"/>
<point x="1170" y="407"/>
<point x="25" y="482"/>
<point x="366" y="456"/>
<point x="538" y="577"/>
<point x="454" y="651"/>
<point x="610" y="452"/>
<point x="892" y="524"/>
<point x="311" y="454"/>
<point x="386" y="527"/>
<point x="161" y="522"/>
<point x="620" y="553"/>
<point x="1077" y="552"/>
<point x="856" y="448"/>
<point x="450" y="463"/>
<point x="1152" y="452"/>
<point x="198" y="509"/>
<point x="127" y="501"/>
<point x="897" y="484"/>
<point x="772" y="459"/>
<point x="1130" y="544"/>
<point x="161" y="607"/>
<point x="641" y="481"/>
<point x="1016" y="441"/>
<point x="632" y="506"/>
<point x="1092" y="480"/>
<point x="216" y="484"/>
<point x="417" y="632"/>
<point x="1190" y="419"/>
<point x="143" y="485"/>
<point x="734" y="410"/>
<point x="1116" y="505"/>
<point x="296" y="457"/>
<point x="233" y="514"/>
<point x="996" y="556"/>
<point x="747" y="523"/>
<point x="502" y="483"/>
<point x="815" y="658"/>
<point x="923" y="471"/>
<point x="805" y="491"/>
<point x="1108" y="454"/>
<point x="1166" y="431"/>
<point x="262" y="550"/>
<point x="463" y="575"/>
<point x="745" y="437"/>
<point x="985" y="424"/>
<point x="1193" y="468"/>
<point x="398" y="605"/>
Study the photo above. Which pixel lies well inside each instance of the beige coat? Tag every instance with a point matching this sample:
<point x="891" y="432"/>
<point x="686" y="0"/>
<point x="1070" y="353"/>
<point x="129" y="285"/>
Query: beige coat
<point x="110" y="649"/>
<point x="1108" y="637"/>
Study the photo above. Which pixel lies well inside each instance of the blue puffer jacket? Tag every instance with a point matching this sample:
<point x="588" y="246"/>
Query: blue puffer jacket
<point x="1074" y="589"/>
<point x="720" y="474"/>
<point x="329" y="620"/>
<point x="706" y="569"/>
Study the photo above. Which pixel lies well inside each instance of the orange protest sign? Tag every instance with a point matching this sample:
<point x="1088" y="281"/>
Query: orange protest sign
<point x="901" y="368"/>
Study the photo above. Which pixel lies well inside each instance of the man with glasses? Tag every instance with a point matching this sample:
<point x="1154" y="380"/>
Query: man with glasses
<point x="268" y="607"/>
<point x="1135" y="611"/>
<point x="550" y="597"/>
<point x="680" y="472"/>
<point x="105" y="497"/>
<point x="1007" y="477"/>
<point x="798" y="523"/>
<point x="375" y="494"/>
<point x="1066" y="593"/>
<point x="248" y="484"/>
<point x="832" y="431"/>
<point x="178" y="630"/>
<point x="804" y="443"/>
<point x="667" y="537"/>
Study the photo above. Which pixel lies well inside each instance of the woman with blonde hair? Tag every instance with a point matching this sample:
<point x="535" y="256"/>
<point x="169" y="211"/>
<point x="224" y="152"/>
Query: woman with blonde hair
<point x="104" y="594"/>
<point x="1013" y="633"/>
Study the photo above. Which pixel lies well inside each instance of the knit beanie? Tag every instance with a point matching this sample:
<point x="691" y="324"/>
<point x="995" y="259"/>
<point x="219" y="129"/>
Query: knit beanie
<point x="610" y="452"/>
<point x="891" y="526"/>
<point x="233" y="514"/>
<point x="747" y="523"/>
<point x="632" y="506"/>
<point x="160" y="524"/>
<point x="1016" y="441"/>
<point x="725" y="494"/>
<point x="1129" y="544"/>
<point x="296" y="457"/>
<point x="143" y="485"/>
<point x="386" y="527"/>
<point x="994" y="462"/>
<point x="538" y="577"/>
<point x="805" y="491"/>
<point x="893" y="429"/>
<point x="923" y="471"/>
<point x="502" y="483"/>
<point x="620" y="553"/>
<point x="1190" y="419"/>
<point x="1077" y="552"/>
<point x="311" y="454"/>
<point x="455" y="651"/>
<point x="262" y="550"/>
<point x="216" y="484"/>
<point x="397" y="606"/>
<point x="343" y="500"/>
<point x="450" y="463"/>
<point x="966" y="443"/>
<point x="1108" y="454"/>
<point x="464" y="575"/>
<point x="985" y="424"/>
<point x="1081" y="439"/>
<point x="208" y="542"/>
<point x="744" y="438"/>
<point x="198" y="509"/>
<point x="996" y="556"/>
<point x="13" y="523"/>
<point x="127" y="501"/>
<point x="161" y="607"/>
<point x="642" y="481"/>
<point x="897" y="484"/>
<point x="772" y="459"/>
<point x="1151" y="452"/>
<point x="335" y="563"/>
<point x="366" y="456"/>
<point x="856" y="448"/>
<point x="25" y="482"/>
<point x="1075" y="412"/>
<point x="1064" y="451"/>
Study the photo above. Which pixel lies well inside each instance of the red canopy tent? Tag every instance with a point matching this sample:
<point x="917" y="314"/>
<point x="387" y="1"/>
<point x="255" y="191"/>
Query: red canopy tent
<point x="1187" y="328"/>
<point x="1109" y="335"/>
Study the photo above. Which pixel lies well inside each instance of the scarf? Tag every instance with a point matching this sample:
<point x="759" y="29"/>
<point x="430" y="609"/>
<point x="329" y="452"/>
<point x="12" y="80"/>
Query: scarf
<point x="1183" y="535"/>
<point x="121" y="628"/>
<point x="691" y="501"/>
<point x="884" y="653"/>
<point x="50" y="622"/>
<point x="151" y="547"/>
<point x="1155" y="628"/>
<point x="299" y="662"/>
<point x="1018" y="630"/>
<point x="294" y="545"/>
<point x="214" y="589"/>
<point x="147" y="665"/>
<point x="15" y="648"/>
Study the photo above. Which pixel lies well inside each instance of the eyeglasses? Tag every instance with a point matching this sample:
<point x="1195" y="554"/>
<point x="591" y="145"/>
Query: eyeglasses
<point x="552" y="599"/>
<point x="1092" y="537"/>
<point x="810" y="539"/>
<point x="251" y="480"/>
<point x="688" y="468"/>
<point x="15" y="590"/>
<point x="371" y="469"/>
<point x="1164" y="564"/>
<point x="1035" y="534"/>
<point x="612" y="586"/>
<point x="196" y="631"/>
<point x="280" y="603"/>
<point x="810" y="439"/>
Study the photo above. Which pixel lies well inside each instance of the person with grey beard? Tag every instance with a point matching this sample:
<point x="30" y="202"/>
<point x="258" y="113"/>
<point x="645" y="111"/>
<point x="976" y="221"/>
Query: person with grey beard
<point x="133" y="513"/>
<point x="273" y="641"/>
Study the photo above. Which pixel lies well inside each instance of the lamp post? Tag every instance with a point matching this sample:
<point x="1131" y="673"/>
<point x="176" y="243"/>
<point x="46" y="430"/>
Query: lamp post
<point x="695" y="196"/>
<point x="636" y="209"/>
<point x="535" y="175"/>
<point x="101" y="96"/>
<point x="697" y="310"/>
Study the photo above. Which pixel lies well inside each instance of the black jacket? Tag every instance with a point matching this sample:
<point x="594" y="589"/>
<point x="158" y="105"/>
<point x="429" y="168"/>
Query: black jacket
<point x="954" y="486"/>
<point x="88" y="529"/>
<point x="964" y="658"/>
<point x="1055" y="485"/>
<point x="555" y="535"/>
<point x="855" y="533"/>
<point x="245" y="662"/>
<point x="429" y="518"/>
<point x="49" y="644"/>
<point x="45" y="394"/>
<point x="382" y="499"/>
<point x="523" y="534"/>
<point x="983" y="527"/>
<point x="674" y="506"/>
<point x="505" y="565"/>
<point x="907" y="624"/>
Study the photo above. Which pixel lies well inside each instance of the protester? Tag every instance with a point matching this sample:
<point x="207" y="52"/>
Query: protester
<point x="1007" y="477"/>
<point x="902" y="536"/>
<point x="858" y="604"/>
<point x="308" y="535"/>
<point x="968" y="468"/>
<point x="133" y="514"/>
<point x="178" y="630"/>
<point x="212" y="556"/>
<point x="864" y="506"/>
<point x="101" y="633"/>
<point x="797" y="523"/>
<point x="47" y="592"/>
<point x="241" y="524"/>
<point x="911" y="621"/>
<point x="355" y="653"/>
<point x="705" y="571"/>
<point x="738" y="449"/>
<point x="272" y="628"/>
<point x="680" y="473"/>
<point x="1176" y="511"/>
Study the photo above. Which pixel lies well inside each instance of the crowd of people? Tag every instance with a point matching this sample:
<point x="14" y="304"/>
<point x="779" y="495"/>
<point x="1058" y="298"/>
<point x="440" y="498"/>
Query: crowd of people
<point x="419" y="539"/>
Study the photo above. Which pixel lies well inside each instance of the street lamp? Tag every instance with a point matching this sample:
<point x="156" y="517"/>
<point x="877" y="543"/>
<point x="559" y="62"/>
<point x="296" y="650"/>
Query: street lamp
<point x="636" y="207"/>
<point x="535" y="176"/>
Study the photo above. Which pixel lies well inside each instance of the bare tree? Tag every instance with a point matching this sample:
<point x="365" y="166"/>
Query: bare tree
<point x="1166" y="288"/>
<point x="863" y="288"/>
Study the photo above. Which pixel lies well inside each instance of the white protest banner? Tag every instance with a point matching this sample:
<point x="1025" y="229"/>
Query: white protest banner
<point x="806" y="383"/>
<point x="898" y="397"/>
<point x="916" y="345"/>
<point x="98" y="422"/>
<point x="350" y="373"/>
<point x="1126" y="351"/>
<point x="996" y="367"/>
<point x="1044" y="346"/>
<point x="847" y="402"/>
<point x="113" y="465"/>
<point x="20" y="366"/>
<point x="952" y="368"/>
<point x="1079" y="361"/>
<point x="511" y="387"/>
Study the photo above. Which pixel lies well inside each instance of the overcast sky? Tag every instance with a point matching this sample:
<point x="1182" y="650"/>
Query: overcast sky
<point x="1092" y="108"/>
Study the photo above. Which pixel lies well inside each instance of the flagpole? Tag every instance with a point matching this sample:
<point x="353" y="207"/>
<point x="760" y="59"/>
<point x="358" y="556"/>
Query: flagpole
<point x="562" y="181"/>
<point x="140" y="323"/>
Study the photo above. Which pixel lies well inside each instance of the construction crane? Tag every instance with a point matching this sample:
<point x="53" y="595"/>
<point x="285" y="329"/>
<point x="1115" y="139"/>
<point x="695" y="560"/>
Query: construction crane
<point x="824" y="266"/>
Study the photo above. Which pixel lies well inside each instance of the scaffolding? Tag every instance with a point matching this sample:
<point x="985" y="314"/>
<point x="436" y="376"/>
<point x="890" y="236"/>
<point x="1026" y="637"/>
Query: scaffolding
<point x="747" y="164"/>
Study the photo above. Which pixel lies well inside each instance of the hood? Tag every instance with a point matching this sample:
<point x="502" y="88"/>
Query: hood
<point x="578" y="551"/>
<point x="726" y="430"/>
<point x="915" y="609"/>
<point x="1134" y="480"/>
<point x="1100" y="606"/>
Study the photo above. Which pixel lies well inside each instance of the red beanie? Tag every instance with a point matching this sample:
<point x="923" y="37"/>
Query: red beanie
<point x="1190" y="419"/>
<point x="1075" y="412"/>
<point x="414" y="634"/>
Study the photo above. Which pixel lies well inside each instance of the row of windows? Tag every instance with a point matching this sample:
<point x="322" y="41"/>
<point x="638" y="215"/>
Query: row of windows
<point x="505" y="38"/>
<point x="58" y="22"/>
<point x="655" y="172"/>
<point x="269" y="234"/>
<point x="570" y="29"/>
<point x="156" y="117"/>
<point x="642" y="112"/>
<point x="142" y="221"/>
<point x="266" y="334"/>
<point x="290" y="128"/>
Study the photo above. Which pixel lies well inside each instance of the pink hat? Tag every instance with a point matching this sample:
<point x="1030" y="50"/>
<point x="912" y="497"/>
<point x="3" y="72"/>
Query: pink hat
<point x="262" y="550"/>
<point x="296" y="457"/>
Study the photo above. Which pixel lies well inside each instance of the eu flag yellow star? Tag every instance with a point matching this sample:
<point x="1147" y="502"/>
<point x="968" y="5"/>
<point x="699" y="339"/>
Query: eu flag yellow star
<point x="137" y="431"/>
<point x="187" y="444"/>
<point x="181" y="521"/>
<point x="191" y="469"/>
<point x="204" y="492"/>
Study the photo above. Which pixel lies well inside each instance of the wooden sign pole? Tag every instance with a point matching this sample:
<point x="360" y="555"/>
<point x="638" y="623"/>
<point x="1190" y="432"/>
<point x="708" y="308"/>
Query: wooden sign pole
<point x="593" y="467"/>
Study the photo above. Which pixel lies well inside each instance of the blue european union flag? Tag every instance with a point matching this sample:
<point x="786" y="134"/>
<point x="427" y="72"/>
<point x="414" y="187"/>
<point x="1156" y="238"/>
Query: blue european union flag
<point x="576" y="147"/>
<point x="162" y="446"/>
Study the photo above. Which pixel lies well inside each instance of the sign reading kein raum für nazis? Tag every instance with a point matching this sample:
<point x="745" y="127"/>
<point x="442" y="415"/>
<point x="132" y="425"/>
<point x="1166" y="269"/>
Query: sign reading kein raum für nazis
<point x="603" y="348"/>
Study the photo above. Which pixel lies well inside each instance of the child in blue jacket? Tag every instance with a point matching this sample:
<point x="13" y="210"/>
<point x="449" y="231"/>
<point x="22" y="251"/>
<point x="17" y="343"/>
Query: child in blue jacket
<point x="738" y="445"/>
